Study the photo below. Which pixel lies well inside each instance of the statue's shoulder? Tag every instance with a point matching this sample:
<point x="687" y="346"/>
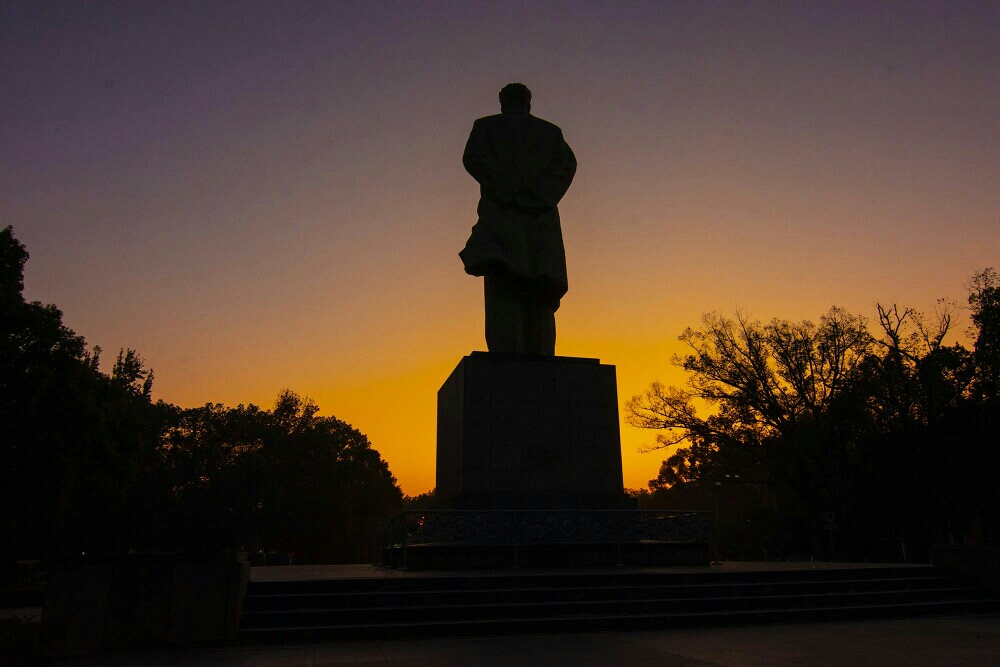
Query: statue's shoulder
<point x="504" y="128"/>
<point x="500" y="121"/>
<point x="541" y="122"/>
<point x="488" y="120"/>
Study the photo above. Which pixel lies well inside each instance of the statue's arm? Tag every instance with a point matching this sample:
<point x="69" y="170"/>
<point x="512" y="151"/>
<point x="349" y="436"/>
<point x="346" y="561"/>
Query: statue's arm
<point x="553" y="181"/>
<point x="496" y="181"/>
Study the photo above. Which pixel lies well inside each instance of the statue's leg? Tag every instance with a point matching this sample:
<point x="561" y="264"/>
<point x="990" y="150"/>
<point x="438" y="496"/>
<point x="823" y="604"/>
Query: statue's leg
<point x="540" y="332"/>
<point x="547" y="329"/>
<point x="505" y="317"/>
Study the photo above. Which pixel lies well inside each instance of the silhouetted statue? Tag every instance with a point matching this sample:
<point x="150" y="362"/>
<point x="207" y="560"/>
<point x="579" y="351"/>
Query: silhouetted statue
<point x="524" y="168"/>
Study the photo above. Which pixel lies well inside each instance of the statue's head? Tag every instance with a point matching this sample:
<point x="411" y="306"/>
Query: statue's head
<point x="515" y="98"/>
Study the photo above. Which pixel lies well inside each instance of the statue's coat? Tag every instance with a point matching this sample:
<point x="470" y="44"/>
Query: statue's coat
<point x="524" y="167"/>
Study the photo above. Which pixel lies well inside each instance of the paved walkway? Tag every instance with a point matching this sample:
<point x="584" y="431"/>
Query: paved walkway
<point x="954" y="640"/>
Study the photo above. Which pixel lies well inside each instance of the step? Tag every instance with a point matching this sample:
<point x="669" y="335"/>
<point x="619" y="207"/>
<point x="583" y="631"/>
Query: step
<point x="350" y="599"/>
<point x="518" y="579"/>
<point x="635" y="607"/>
<point x="603" y="623"/>
<point x="517" y="602"/>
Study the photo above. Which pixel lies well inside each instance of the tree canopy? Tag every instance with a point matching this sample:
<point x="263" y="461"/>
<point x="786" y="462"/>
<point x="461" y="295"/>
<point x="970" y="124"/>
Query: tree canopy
<point x="890" y="429"/>
<point x="88" y="462"/>
<point x="282" y="480"/>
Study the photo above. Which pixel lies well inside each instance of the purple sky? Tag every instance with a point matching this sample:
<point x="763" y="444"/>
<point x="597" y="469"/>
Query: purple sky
<point x="260" y="195"/>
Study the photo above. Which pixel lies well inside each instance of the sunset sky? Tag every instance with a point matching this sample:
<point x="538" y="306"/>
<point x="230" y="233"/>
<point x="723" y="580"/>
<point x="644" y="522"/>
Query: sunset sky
<point x="259" y="195"/>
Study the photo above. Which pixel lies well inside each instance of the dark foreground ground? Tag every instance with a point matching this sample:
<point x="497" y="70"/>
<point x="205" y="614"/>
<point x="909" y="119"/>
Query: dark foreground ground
<point x="948" y="640"/>
<point x="957" y="640"/>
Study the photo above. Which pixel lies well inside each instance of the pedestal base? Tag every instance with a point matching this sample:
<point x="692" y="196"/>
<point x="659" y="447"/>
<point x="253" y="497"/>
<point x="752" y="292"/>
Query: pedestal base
<point x="529" y="432"/>
<point x="458" y="539"/>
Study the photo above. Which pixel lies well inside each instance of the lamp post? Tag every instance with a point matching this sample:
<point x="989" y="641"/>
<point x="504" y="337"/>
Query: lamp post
<point x="728" y="479"/>
<point x="718" y="528"/>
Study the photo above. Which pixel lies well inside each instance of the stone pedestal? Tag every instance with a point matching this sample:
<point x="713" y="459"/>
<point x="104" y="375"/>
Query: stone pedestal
<point x="529" y="474"/>
<point x="521" y="432"/>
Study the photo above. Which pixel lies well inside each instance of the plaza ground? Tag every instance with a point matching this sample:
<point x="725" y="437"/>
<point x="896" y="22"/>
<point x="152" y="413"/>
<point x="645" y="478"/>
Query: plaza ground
<point x="954" y="640"/>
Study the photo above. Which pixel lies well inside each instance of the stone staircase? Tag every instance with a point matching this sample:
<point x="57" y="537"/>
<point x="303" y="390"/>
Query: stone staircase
<point x="516" y="602"/>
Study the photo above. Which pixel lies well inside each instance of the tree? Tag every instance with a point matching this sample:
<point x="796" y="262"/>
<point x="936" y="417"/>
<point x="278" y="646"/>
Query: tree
<point x="759" y="382"/>
<point x="984" y="300"/>
<point x="284" y="480"/>
<point x="89" y="463"/>
<point x="74" y="439"/>
<point x="891" y="433"/>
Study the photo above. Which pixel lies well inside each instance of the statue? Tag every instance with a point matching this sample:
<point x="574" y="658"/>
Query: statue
<point x="524" y="167"/>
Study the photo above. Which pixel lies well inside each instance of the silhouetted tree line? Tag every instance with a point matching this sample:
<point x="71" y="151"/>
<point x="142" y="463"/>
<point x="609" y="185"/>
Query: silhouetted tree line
<point x="284" y="480"/>
<point x="827" y="439"/>
<point x="89" y="463"/>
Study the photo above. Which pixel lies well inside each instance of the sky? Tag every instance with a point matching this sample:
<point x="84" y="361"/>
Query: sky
<point x="268" y="195"/>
